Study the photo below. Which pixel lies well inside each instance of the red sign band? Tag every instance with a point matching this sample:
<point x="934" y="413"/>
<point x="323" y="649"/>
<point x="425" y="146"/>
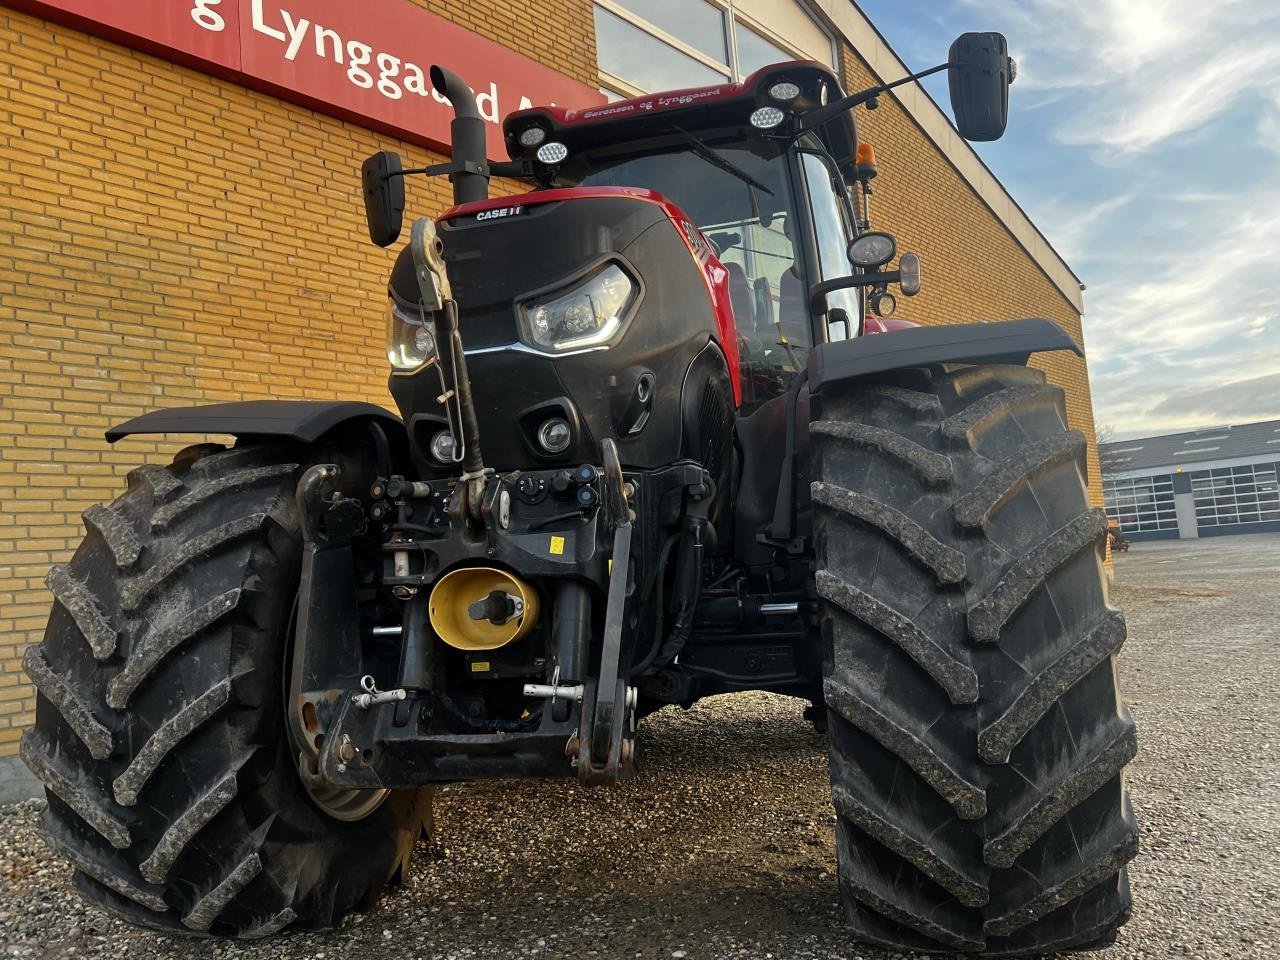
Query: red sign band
<point x="366" y="62"/>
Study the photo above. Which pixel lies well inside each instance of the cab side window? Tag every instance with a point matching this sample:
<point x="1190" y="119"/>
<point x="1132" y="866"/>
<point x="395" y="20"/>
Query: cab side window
<point x="833" y="232"/>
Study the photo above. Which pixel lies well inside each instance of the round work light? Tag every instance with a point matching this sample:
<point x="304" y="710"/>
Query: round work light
<point x="552" y="152"/>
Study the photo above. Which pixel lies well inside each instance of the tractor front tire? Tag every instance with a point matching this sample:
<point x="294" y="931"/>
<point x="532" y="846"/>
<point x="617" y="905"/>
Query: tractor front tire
<point x="160" y="725"/>
<point x="977" y="736"/>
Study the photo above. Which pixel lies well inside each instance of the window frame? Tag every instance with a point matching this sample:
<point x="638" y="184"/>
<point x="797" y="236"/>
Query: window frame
<point x="1143" y="504"/>
<point x="733" y="18"/>
<point x="1222" y="495"/>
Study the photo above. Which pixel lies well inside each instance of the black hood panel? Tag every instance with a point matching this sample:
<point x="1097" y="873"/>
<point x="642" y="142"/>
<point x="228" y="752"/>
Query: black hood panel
<point x="497" y="262"/>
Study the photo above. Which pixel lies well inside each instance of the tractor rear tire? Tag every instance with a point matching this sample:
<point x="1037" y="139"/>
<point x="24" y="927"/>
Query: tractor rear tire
<point x="977" y="735"/>
<point x="160" y="728"/>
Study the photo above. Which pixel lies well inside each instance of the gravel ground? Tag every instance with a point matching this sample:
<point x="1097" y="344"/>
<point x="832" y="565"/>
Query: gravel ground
<point x="723" y="848"/>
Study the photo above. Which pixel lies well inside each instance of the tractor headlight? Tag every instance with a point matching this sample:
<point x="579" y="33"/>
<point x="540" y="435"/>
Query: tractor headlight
<point x="411" y="341"/>
<point x="591" y="314"/>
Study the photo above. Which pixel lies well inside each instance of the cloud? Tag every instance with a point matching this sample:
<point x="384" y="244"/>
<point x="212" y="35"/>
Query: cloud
<point x="1142" y="71"/>
<point x="1217" y="285"/>
<point x="1167" y="109"/>
<point x="1076" y="225"/>
<point x="1144" y="142"/>
<point x="1187" y="334"/>
<point x="1229" y="381"/>
<point x="1255" y="398"/>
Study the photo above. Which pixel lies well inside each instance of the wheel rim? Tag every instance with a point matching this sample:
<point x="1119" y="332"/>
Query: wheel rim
<point x="340" y="803"/>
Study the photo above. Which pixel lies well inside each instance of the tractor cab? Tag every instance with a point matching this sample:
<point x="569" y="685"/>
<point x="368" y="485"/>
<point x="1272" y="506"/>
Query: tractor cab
<point x="765" y="194"/>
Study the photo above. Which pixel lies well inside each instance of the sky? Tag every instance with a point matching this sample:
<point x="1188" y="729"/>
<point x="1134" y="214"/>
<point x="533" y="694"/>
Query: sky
<point x="1144" y="142"/>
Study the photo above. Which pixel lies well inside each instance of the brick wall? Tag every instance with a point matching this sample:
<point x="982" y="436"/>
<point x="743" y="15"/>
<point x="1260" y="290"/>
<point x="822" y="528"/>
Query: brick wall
<point x="169" y="238"/>
<point x="973" y="268"/>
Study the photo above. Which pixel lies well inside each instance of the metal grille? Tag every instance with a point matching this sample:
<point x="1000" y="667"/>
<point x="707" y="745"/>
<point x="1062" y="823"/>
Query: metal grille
<point x="1226" y="496"/>
<point x="1141" y="504"/>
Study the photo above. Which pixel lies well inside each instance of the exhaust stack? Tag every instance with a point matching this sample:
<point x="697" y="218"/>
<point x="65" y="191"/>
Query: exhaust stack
<point x="467" y="133"/>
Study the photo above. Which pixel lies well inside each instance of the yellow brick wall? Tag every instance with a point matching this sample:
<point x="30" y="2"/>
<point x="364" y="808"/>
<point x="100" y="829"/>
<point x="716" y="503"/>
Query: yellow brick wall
<point x="170" y="238"/>
<point x="167" y="238"/>
<point x="973" y="268"/>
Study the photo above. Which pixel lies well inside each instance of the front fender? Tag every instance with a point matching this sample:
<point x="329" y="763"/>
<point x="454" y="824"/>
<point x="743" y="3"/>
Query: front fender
<point x="303" y="420"/>
<point x="1010" y="341"/>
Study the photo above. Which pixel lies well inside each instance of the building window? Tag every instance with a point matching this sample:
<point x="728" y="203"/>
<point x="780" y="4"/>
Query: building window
<point x="647" y="45"/>
<point x="1231" y="495"/>
<point x="1141" y="504"/>
<point x="754" y="51"/>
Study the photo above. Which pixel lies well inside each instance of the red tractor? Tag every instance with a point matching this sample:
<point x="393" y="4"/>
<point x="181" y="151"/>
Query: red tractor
<point x="648" y="452"/>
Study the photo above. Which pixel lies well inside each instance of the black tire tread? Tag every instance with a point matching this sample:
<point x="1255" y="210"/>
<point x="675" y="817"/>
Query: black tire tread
<point x="1028" y="574"/>
<point x="1010" y="476"/>
<point x="1066" y="789"/>
<point x="160" y="482"/>
<point x="72" y="788"/>
<point x="213" y="901"/>
<point x="843" y="696"/>
<point x="982" y="415"/>
<point x="910" y="841"/>
<point x="165" y="772"/>
<point x="186" y="825"/>
<point x="76" y="598"/>
<point x="116" y="532"/>
<point x="1101" y="858"/>
<point x="931" y="467"/>
<point x="137" y="589"/>
<point x="102" y="870"/>
<point x="953" y="676"/>
<point x="984" y="815"/>
<point x="166" y="737"/>
<point x="236" y="480"/>
<point x="944" y="562"/>
<point x="77" y="713"/>
<point x="160" y="641"/>
<point x="997" y="739"/>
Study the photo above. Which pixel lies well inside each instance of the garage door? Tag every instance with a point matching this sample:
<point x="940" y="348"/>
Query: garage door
<point x="1233" y="499"/>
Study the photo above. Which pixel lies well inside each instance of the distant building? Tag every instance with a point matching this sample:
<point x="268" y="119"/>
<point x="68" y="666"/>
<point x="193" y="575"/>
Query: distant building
<point x="1205" y="483"/>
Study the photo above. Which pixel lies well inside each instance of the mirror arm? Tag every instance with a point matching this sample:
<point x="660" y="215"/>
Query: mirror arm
<point x="819" y="291"/>
<point x="817" y="118"/>
<point x="515" y="168"/>
<point x="512" y="168"/>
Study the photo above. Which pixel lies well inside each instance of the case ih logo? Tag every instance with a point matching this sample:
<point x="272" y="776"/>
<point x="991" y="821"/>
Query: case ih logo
<point x="499" y="213"/>
<point x="366" y="62"/>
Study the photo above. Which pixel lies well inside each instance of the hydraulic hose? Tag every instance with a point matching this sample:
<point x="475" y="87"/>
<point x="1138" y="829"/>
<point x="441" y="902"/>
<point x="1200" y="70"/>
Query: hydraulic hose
<point x="657" y="587"/>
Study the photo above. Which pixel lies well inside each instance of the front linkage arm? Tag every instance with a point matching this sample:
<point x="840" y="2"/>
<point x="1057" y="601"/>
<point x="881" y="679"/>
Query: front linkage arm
<point x="605" y="748"/>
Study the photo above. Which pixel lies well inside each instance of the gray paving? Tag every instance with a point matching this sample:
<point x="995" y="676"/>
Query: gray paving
<point x="16" y="781"/>
<point x="723" y="847"/>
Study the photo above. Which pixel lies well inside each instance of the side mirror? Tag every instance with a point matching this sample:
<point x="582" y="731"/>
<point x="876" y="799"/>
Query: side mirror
<point x="980" y="74"/>
<point x="383" y="196"/>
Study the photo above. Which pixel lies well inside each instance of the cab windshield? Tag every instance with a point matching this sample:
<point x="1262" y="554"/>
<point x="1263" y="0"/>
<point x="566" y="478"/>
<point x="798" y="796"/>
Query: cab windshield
<point x="749" y="214"/>
<point x="751" y="226"/>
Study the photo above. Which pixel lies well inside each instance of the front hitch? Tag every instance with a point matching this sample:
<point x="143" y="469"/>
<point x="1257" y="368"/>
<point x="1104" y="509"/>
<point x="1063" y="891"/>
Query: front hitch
<point x="325" y="660"/>
<point x="608" y="717"/>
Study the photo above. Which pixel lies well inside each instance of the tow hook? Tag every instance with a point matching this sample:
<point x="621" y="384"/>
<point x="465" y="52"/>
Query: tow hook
<point x="373" y="696"/>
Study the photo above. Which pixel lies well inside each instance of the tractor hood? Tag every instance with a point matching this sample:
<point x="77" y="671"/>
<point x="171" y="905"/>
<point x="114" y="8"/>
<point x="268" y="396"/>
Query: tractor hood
<point x="512" y="260"/>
